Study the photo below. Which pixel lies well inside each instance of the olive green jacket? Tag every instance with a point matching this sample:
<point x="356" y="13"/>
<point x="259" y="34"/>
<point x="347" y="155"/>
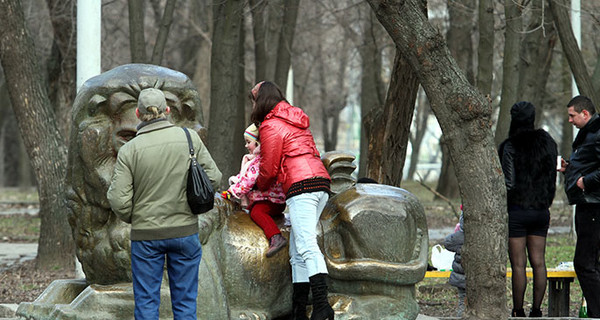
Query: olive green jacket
<point x="149" y="182"/>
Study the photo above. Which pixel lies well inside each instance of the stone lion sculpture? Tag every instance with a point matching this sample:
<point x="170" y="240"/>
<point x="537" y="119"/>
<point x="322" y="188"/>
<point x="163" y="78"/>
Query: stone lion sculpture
<point x="374" y="237"/>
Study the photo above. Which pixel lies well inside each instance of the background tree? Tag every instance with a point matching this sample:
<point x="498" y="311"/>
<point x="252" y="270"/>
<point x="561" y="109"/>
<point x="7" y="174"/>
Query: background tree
<point x="459" y="41"/>
<point x="37" y="125"/>
<point x="510" y="66"/>
<point x="485" y="50"/>
<point x="571" y="50"/>
<point x="391" y="138"/>
<point x="227" y="121"/>
<point x="465" y="117"/>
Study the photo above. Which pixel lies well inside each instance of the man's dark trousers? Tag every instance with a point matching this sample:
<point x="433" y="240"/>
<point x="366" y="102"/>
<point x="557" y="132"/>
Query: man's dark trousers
<point x="587" y="253"/>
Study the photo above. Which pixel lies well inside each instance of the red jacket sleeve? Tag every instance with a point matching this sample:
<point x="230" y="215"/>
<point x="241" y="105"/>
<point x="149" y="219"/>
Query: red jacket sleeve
<point x="271" y="148"/>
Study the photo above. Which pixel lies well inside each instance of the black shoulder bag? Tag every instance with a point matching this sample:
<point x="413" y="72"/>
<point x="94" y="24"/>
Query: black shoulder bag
<point x="200" y="193"/>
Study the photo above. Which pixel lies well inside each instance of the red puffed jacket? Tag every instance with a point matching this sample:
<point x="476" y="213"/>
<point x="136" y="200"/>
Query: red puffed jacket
<point x="289" y="153"/>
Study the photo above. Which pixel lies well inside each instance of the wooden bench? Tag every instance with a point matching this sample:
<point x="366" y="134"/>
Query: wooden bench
<point x="559" y="286"/>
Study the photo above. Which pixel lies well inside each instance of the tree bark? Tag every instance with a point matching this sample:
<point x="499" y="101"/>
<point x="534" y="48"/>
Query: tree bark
<point x="461" y="48"/>
<point x="485" y="52"/>
<point x="37" y="125"/>
<point x="417" y="134"/>
<point x="510" y="67"/>
<point x="285" y="43"/>
<point x="372" y="88"/>
<point x="536" y="58"/>
<point x="137" y="40"/>
<point x="163" y="32"/>
<point x="226" y="123"/>
<point x="465" y="118"/>
<point x="62" y="65"/>
<point x="459" y="35"/>
<point x="571" y="50"/>
<point x="397" y="116"/>
<point x="257" y="8"/>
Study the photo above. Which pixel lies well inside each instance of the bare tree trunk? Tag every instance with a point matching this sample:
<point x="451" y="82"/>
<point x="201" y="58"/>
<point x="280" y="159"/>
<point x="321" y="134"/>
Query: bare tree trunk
<point x="163" y="32"/>
<point x="62" y="64"/>
<point x="465" y="118"/>
<point x="571" y="50"/>
<point x="461" y="48"/>
<point x="510" y="67"/>
<point x="286" y="40"/>
<point x="418" y="133"/>
<point x="37" y="125"/>
<point x="536" y="58"/>
<point x="227" y="108"/>
<point x="566" y="148"/>
<point x="485" y="67"/>
<point x="397" y="116"/>
<point x="459" y="35"/>
<point x="201" y="73"/>
<point x="257" y="8"/>
<point x="372" y="89"/>
<point x="5" y="110"/>
<point x="333" y="99"/>
<point x="137" y="40"/>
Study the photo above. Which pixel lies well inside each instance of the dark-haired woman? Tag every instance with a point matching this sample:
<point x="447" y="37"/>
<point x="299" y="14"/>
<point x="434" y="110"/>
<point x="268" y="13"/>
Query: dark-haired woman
<point x="528" y="159"/>
<point x="290" y="156"/>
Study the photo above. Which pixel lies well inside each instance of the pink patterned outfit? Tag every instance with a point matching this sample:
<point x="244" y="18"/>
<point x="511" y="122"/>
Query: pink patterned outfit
<point x="262" y="204"/>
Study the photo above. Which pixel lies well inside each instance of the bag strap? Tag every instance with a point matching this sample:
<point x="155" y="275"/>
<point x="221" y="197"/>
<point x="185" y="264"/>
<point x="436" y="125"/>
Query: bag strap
<point x="189" y="140"/>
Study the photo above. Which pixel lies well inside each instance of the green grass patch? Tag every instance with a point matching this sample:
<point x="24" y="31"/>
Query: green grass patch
<point x="19" y="228"/>
<point x="19" y="194"/>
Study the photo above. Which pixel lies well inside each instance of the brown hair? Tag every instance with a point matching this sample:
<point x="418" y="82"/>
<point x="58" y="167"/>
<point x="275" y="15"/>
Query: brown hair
<point x="268" y="96"/>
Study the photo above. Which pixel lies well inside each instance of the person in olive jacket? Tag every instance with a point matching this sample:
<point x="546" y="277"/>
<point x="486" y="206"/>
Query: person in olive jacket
<point x="148" y="191"/>
<point x="582" y="186"/>
<point x="290" y="156"/>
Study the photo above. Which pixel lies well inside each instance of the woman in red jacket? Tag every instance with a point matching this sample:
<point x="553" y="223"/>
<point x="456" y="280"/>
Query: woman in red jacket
<point x="290" y="156"/>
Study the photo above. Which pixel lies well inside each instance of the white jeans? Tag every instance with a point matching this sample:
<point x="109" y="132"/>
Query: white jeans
<point x="305" y="256"/>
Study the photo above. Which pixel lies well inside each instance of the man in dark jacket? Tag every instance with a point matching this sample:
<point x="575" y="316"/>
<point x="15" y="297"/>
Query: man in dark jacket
<point x="582" y="186"/>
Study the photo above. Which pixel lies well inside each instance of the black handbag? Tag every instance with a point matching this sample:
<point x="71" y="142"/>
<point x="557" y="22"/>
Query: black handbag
<point x="199" y="191"/>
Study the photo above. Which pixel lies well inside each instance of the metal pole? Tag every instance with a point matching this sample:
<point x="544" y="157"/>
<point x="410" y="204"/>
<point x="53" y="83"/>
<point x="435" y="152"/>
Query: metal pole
<point x="89" y="17"/>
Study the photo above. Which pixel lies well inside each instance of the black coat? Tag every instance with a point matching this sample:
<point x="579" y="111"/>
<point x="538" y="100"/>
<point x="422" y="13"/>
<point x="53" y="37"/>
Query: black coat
<point x="528" y="161"/>
<point x="585" y="161"/>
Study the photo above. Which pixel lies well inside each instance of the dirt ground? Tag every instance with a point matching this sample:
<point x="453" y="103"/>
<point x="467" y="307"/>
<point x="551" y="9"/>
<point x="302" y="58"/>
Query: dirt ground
<point x="23" y="283"/>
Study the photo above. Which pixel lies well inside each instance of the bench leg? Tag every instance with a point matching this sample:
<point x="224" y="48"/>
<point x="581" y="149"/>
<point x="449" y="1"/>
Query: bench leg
<point x="559" y="296"/>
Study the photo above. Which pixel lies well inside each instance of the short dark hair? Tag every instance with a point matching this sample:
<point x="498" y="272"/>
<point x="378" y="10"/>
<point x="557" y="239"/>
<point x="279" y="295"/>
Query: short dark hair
<point x="268" y="96"/>
<point x="580" y="103"/>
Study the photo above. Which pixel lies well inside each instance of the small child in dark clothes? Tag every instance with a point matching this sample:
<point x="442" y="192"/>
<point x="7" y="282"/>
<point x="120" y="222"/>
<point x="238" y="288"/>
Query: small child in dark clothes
<point x="454" y="242"/>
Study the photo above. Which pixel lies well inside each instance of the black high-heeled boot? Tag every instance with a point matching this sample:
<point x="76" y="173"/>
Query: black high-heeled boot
<point x="518" y="313"/>
<point x="299" y="300"/>
<point x="321" y="308"/>
<point x="535" y="313"/>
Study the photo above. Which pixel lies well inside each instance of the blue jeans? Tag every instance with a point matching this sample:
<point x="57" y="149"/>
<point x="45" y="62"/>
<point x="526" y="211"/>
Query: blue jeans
<point x="305" y="255"/>
<point x="147" y="263"/>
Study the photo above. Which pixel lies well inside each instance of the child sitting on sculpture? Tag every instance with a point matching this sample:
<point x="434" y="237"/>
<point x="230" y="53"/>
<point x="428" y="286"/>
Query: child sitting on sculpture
<point x="263" y="205"/>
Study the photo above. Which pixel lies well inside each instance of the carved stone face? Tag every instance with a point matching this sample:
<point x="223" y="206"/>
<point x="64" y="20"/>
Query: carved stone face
<point x="103" y="120"/>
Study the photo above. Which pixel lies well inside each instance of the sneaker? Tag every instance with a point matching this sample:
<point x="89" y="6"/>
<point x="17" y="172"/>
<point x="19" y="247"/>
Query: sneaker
<point x="277" y="243"/>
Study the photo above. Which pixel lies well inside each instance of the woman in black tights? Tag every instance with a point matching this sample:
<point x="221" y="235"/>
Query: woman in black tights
<point x="528" y="159"/>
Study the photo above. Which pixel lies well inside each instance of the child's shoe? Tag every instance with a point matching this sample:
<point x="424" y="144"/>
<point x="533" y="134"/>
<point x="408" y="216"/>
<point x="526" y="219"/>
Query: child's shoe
<point x="277" y="243"/>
